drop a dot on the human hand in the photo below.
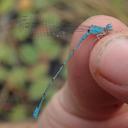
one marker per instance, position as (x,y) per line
(96,92)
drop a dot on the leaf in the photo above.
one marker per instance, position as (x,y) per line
(44,3)
(25,20)
(18,113)
(3,74)
(38,88)
(39,71)
(23,25)
(28,54)
(17,77)
(47,45)
(51,19)
(39,4)
(7,54)
(6,5)
(20,32)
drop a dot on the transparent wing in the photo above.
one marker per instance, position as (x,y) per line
(82,28)
(68,28)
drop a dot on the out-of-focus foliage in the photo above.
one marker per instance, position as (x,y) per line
(47,45)
(7,55)
(32,48)
(39,86)
(18,113)
(6,5)
(3,74)
(51,19)
(28,54)
(17,77)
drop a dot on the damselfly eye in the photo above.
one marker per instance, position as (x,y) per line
(88,30)
(109,27)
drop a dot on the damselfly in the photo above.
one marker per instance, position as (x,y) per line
(99,32)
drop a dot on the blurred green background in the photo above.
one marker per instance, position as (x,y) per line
(34,38)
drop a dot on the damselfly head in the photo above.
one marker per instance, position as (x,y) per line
(109,27)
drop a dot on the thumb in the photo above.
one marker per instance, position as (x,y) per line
(90,91)
(108,65)
(93,100)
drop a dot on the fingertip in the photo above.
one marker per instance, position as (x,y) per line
(80,60)
(108,65)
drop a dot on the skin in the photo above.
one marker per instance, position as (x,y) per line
(96,91)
